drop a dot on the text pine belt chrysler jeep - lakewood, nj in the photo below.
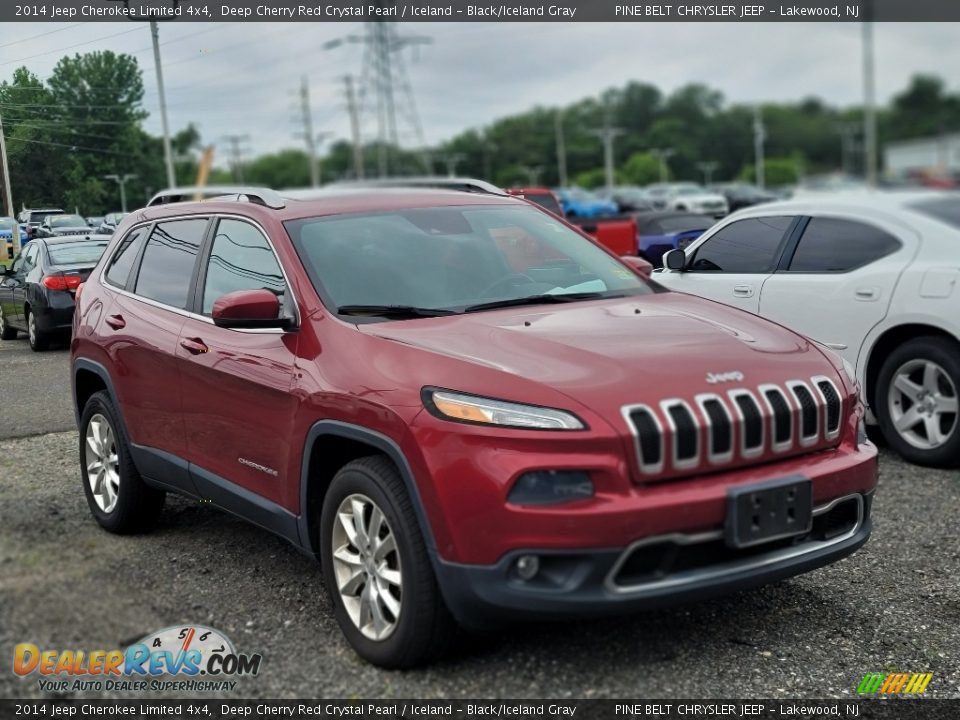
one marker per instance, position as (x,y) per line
(467,409)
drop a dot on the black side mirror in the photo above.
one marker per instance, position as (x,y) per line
(674,260)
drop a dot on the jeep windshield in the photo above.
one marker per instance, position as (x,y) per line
(438,261)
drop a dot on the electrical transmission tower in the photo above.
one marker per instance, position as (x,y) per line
(385,81)
(237,145)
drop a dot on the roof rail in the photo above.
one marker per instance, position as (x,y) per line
(259,195)
(461,184)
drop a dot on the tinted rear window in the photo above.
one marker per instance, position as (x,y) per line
(945,210)
(167,266)
(78,253)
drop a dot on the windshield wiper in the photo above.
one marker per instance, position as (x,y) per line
(539,300)
(393,311)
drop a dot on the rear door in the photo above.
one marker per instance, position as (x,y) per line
(142,328)
(18,288)
(7,284)
(732,265)
(235,384)
(836,283)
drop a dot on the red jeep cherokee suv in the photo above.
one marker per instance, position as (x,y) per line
(463,406)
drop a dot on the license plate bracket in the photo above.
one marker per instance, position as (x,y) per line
(768,511)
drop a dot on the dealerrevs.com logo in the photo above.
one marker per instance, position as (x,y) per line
(895,683)
(190,658)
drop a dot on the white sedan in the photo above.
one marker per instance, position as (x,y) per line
(688,197)
(873,276)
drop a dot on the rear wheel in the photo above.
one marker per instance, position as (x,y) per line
(6,332)
(377,571)
(39,340)
(118,498)
(917,397)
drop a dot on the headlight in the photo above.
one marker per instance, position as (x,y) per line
(484,411)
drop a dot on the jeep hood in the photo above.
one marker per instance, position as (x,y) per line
(607,353)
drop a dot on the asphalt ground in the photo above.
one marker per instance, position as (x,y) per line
(64,583)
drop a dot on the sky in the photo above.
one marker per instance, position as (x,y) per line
(242,78)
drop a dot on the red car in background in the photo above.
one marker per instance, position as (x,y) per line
(464,408)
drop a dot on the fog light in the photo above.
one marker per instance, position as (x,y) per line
(528,566)
(551,487)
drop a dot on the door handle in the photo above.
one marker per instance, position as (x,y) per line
(743,291)
(867,293)
(194,346)
(116,322)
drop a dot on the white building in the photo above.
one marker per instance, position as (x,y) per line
(940,155)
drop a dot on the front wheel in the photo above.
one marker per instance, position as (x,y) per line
(917,396)
(119,499)
(377,571)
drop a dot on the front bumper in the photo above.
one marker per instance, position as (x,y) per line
(595,582)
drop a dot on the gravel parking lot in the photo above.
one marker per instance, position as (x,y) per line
(64,583)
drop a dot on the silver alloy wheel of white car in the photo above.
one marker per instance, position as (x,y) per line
(32,329)
(923,404)
(102,462)
(366,565)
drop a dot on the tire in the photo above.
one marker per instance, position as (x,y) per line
(916,401)
(39,340)
(422,629)
(129,505)
(6,332)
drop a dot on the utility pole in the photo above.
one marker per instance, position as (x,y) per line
(7,195)
(237,151)
(869,99)
(312,139)
(607,135)
(848,138)
(358,164)
(561,148)
(167,147)
(759,137)
(708,168)
(384,76)
(122,181)
(662,155)
(533,174)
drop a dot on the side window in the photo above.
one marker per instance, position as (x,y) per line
(834,245)
(168,260)
(240,259)
(30,257)
(747,246)
(18,263)
(119,268)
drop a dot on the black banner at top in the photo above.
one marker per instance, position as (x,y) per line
(479,10)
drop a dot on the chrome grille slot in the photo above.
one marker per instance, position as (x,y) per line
(648,434)
(686,433)
(751,443)
(720,428)
(831,400)
(809,411)
(781,417)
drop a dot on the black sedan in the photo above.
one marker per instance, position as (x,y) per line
(37,292)
(57,225)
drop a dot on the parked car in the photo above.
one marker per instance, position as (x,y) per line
(95,221)
(59,225)
(876,277)
(110,222)
(37,293)
(580,203)
(8,226)
(741,195)
(31,218)
(456,439)
(688,197)
(616,232)
(664,230)
(631,199)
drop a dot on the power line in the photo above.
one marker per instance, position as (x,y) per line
(66,145)
(40,35)
(69,47)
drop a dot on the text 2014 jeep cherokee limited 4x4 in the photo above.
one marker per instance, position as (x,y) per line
(467,409)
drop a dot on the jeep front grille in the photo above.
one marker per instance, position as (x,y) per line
(715,430)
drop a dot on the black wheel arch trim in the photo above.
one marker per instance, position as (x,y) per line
(102,372)
(381,442)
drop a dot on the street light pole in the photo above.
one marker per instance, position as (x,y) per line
(7,195)
(167,148)
(759,137)
(869,99)
(707,169)
(663,154)
(122,182)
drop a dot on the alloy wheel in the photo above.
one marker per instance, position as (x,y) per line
(101,460)
(366,565)
(923,404)
(32,329)
(3,322)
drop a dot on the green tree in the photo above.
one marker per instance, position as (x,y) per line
(641,168)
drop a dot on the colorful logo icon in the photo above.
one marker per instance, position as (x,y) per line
(896,683)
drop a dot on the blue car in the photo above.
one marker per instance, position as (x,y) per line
(579,203)
(661,231)
(7,226)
